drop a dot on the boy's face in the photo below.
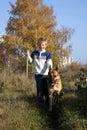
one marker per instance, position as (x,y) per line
(42,46)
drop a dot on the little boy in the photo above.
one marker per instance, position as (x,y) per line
(42,61)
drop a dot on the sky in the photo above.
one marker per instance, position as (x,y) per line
(69,13)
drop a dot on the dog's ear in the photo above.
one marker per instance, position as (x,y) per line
(50,68)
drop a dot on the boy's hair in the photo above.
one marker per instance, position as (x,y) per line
(41,39)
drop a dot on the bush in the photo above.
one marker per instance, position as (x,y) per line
(81,83)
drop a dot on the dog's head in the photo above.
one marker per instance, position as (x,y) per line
(53,76)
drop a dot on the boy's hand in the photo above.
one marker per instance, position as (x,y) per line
(28,53)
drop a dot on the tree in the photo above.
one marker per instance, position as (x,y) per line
(58,44)
(31,19)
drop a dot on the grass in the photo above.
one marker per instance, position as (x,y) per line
(19,109)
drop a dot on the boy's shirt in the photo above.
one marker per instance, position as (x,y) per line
(42,61)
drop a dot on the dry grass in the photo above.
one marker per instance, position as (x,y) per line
(19,109)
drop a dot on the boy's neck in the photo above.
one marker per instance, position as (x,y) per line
(42,50)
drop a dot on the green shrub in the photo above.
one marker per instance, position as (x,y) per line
(81,84)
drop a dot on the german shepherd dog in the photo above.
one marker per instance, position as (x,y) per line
(54,86)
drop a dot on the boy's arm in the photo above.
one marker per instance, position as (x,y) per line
(29,57)
(49,61)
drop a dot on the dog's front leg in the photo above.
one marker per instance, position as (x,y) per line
(50,102)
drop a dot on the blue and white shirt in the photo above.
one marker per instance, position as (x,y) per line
(42,61)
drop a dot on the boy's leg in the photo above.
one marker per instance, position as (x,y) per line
(45,89)
(38,79)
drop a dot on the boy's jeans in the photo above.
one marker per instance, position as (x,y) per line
(42,88)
